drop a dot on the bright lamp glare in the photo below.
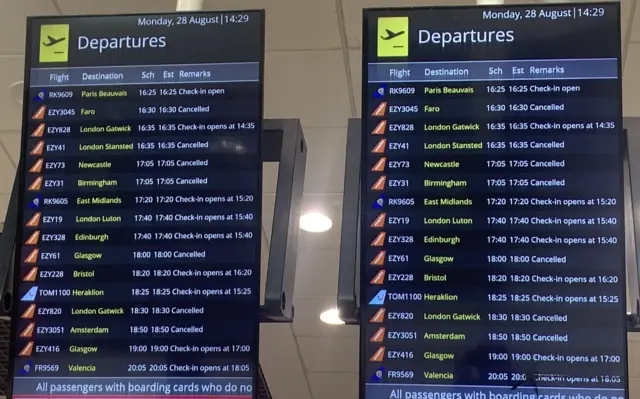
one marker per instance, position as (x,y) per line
(315,222)
(331,316)
(489,2)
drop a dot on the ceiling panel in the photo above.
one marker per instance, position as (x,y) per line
(633,342)
(317,32)
(269,177)
(4,203)
(630,7)
(309,85)
(80,7)
(7,174)
(631,82)
(11,71)
(268,206)
(634,387)
(264,265)
(329,354)
(317,272)
(10,140)
(325,159)
(13,22)
(282,363)
(334,385)
(355,63)
(634,362)
(307,322)
(626,17)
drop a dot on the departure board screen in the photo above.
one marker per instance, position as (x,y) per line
(138,248)
(492,212)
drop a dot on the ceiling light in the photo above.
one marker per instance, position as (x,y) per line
(489,2)
(315,222)
(331,316)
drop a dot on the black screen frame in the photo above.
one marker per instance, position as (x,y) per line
(370,13)
(17,262)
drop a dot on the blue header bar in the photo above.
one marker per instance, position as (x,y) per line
(497,70)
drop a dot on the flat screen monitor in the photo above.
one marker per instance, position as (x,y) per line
(492,203)
(138,247)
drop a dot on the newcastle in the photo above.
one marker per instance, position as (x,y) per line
(94,165)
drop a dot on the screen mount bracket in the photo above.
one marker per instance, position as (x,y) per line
(283,142)
(349,262)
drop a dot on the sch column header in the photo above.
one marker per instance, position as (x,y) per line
(602,68)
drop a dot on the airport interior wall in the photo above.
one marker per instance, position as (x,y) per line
(634,365)
(633,141)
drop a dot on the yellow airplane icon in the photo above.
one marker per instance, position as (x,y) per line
(54,43)
(393,37)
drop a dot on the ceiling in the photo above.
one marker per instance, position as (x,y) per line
(305,38)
